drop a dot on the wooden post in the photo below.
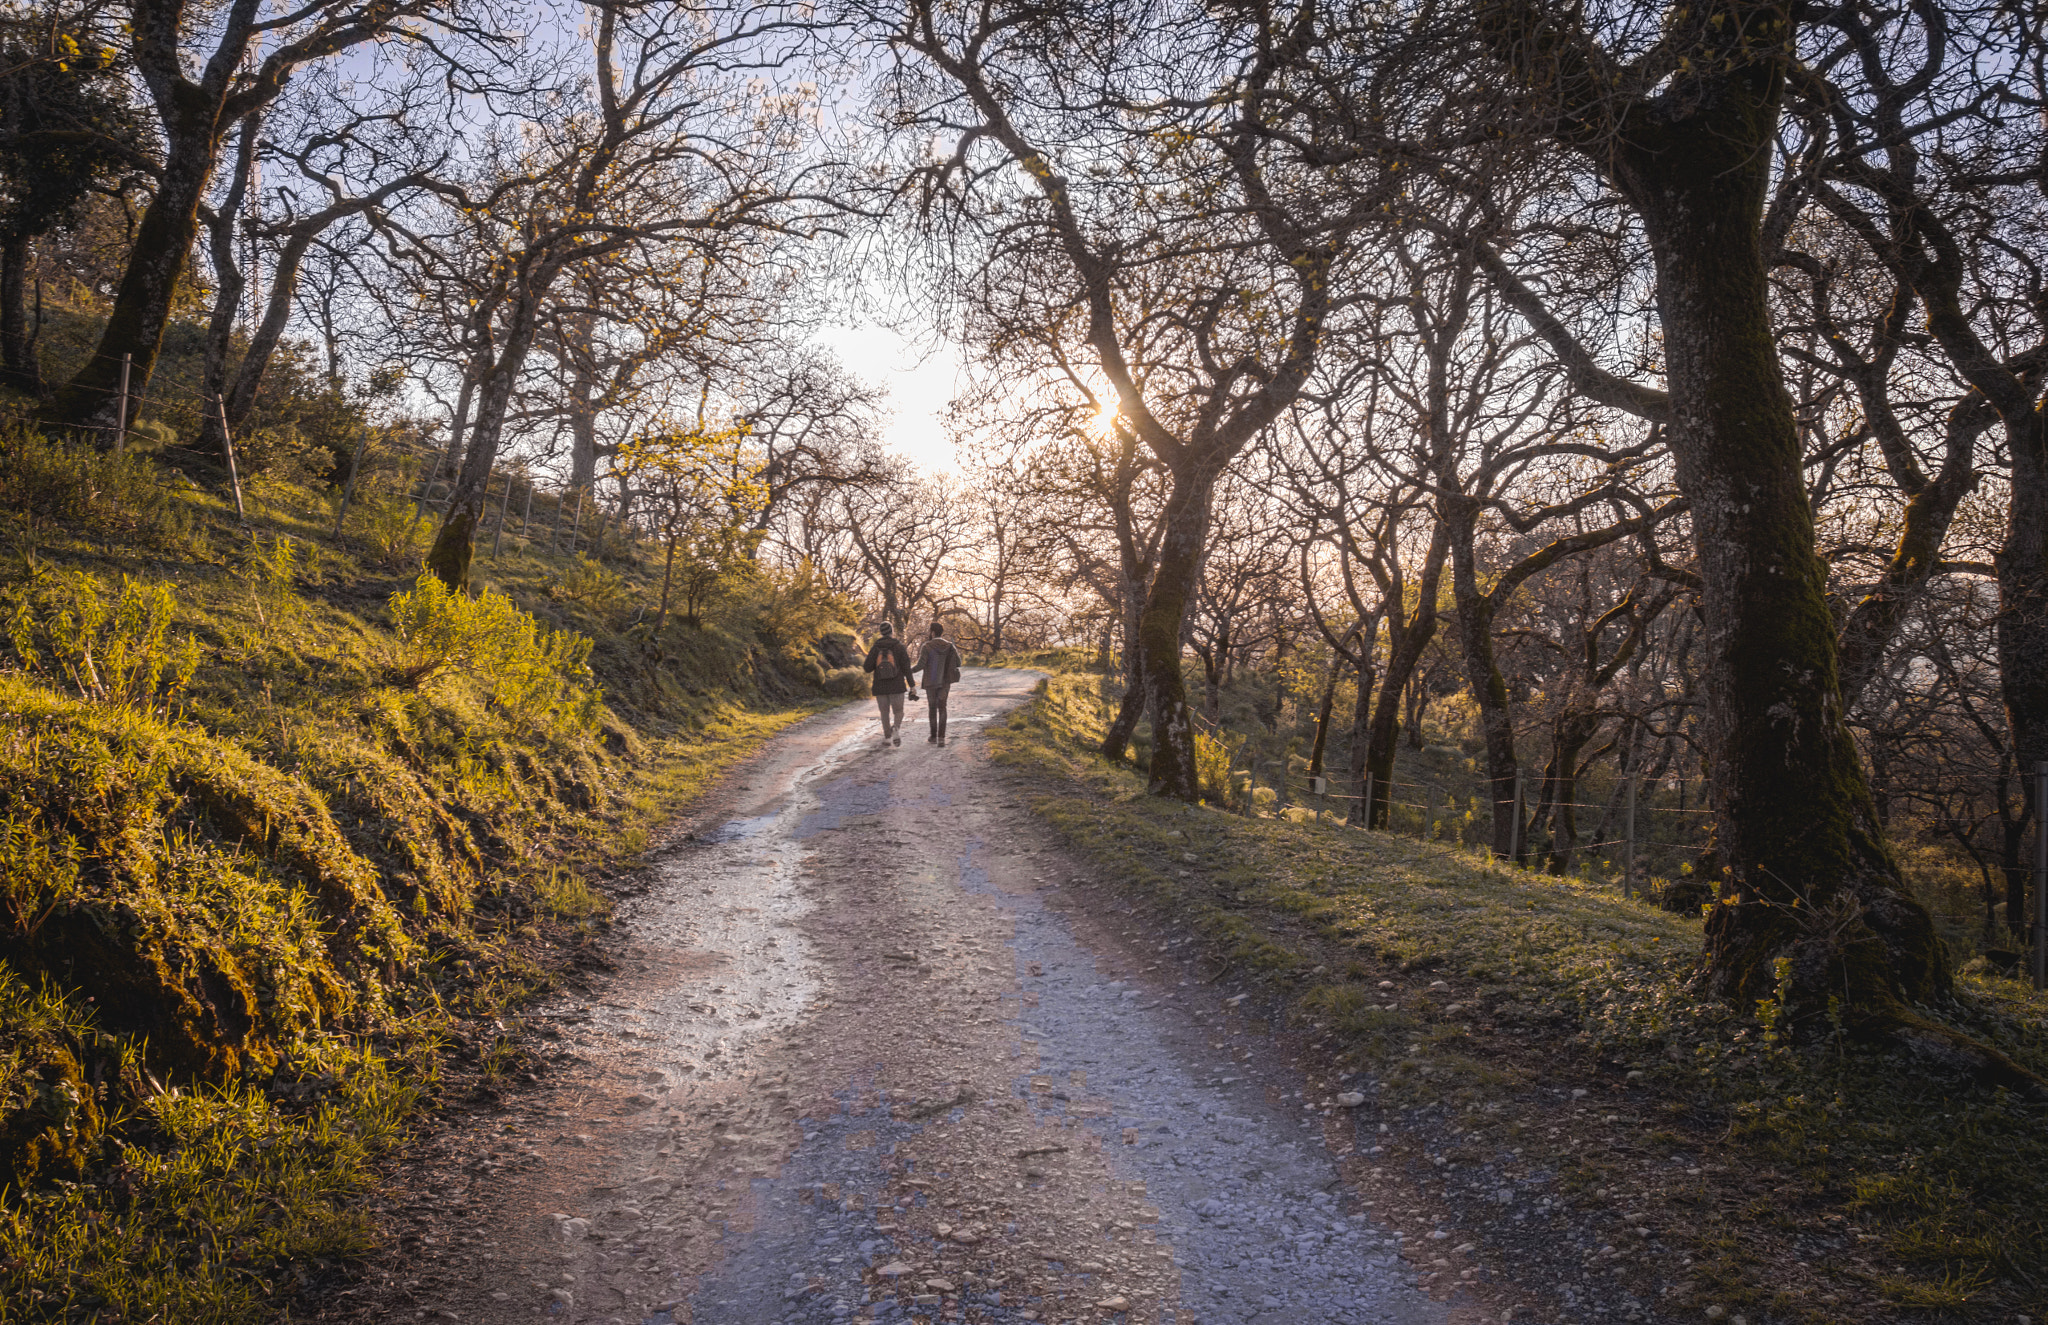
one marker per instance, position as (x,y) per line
(1515,843)
(2041,875)
(1368,797)
(1628,860)
(355,470)
(121,423)
(227,449)
(526,520)
(555,529)
(504,504)
(576,525)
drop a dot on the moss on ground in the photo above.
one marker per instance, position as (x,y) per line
(256,878)
(1879,1184)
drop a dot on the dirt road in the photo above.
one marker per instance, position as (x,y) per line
(864,1058)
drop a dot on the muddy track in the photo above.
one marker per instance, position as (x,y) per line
(866,1054)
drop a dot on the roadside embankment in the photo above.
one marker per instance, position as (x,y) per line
(1502,1026)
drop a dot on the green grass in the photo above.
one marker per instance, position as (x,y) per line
(260,869)
(1934,1190)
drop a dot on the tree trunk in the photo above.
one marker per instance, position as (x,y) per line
(1324,707)
(2023,599)
(1812,882)
(1924,526)
(1184,538)
(1488,687)
(1385,734)
(1573,732)
(1361,728)
(1117,741)
(449,557)
(18,366)
(142,302)
(229,283)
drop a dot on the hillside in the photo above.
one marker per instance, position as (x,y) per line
(284,834)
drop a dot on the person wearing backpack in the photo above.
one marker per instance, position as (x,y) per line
(890,662)
(940,663)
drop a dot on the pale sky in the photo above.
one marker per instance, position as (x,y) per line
(920,380)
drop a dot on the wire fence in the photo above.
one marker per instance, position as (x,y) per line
(588,517)
(1434,814)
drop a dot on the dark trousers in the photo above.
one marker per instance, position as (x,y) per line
(935,705)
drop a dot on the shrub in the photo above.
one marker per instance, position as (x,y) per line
(390,528)
(796,607)
(272,575)
(590,583)
(61,627)
(848,682)
(539,676)
(1212,767)
(76,484)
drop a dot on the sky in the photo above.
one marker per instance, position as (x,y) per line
(920,379)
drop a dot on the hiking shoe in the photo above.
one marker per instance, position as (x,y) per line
(899,740)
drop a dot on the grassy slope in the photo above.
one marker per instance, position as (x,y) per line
(241,929)
(1899,1191)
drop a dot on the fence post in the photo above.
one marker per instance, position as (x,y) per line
(121,423)
(227,448)
(2041,874)
(526,520)
(1367,806)
(1628,860)
(355,469)
(504,504)
(1515,843)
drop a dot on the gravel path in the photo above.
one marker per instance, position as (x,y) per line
(865,1060)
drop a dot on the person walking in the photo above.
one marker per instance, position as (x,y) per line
(890,662)
(940,663)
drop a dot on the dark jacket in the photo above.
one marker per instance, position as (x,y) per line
(899,683)
(940,663)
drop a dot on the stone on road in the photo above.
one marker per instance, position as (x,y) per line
(865,1061)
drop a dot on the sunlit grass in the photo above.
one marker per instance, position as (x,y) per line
(1948,1181)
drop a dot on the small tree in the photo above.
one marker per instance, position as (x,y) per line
(703,498)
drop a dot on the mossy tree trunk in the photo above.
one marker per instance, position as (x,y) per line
(1812,885)
(18,366)
(91,400)
(1184,540)
(449,557)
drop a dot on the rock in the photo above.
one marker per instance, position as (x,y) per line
(1235,999)
(1454,1009)
(562,1297)
(1439,1236)
(1351,1099)
(1386,984)
(965,1238)
(893,1270)
(939,1286)
(1717,1312)
(925,1300)
(573,1230)
(1464,1249)
(1117,1303)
